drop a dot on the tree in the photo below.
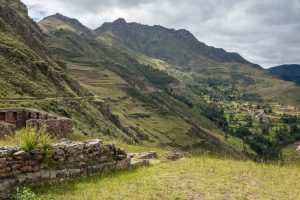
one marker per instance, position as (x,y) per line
(265,128)
(231,116)
(283,136)
(294,129)
(242,132)
(264,147)
(216,114)
(249,120)
(289,119)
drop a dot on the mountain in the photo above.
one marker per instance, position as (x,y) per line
(136,83)
(26,68)
(165,85)
(287,72)
(138,92)
(58,21)
(174,46)
(194,63)
(32,76)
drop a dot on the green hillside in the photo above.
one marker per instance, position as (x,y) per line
(31,76)
(137,92)
(149,85)
(146,88)
(143,84)
(194,60)
(26,68)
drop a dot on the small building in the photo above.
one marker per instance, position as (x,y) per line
(17,118)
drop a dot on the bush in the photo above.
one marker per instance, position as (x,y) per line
(30,139)
(242,132)
(24,194)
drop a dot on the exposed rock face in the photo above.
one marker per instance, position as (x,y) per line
(58,127)
(65,159)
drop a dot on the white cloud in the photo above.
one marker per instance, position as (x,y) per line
(263,31)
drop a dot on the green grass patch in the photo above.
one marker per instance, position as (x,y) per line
(198,178)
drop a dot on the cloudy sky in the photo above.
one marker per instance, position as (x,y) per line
(266,32)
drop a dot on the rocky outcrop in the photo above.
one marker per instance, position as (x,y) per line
(63,160)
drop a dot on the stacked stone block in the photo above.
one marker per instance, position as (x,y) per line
(66,159)
(56,126)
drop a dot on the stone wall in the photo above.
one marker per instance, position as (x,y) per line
(6,129)
(58,127)
(64,160)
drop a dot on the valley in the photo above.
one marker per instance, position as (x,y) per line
(150,88)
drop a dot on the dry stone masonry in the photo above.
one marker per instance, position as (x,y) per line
(16,118)
(64,160)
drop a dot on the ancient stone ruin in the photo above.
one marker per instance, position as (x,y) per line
(16,118)
(64,160)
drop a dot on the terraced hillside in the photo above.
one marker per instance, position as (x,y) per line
(32,77)
(35,77)
(136,91)
(150,84)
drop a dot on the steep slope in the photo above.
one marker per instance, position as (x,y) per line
(137,92)
(25,67)
(195,64)
(287,72)
(30,76)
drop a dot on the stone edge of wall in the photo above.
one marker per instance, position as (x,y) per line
(52,176)
(119,161)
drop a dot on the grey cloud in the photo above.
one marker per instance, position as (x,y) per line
(263,31)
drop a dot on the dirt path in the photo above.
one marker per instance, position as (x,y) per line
(7,100)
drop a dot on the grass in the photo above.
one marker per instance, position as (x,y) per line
(193,178)
(238,144)
(28,140)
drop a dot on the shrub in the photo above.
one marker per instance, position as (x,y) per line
(24,194)
(30,139)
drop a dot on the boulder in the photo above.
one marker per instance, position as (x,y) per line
(175,155)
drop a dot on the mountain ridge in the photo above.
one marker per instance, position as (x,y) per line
(148,35)
(289,72)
